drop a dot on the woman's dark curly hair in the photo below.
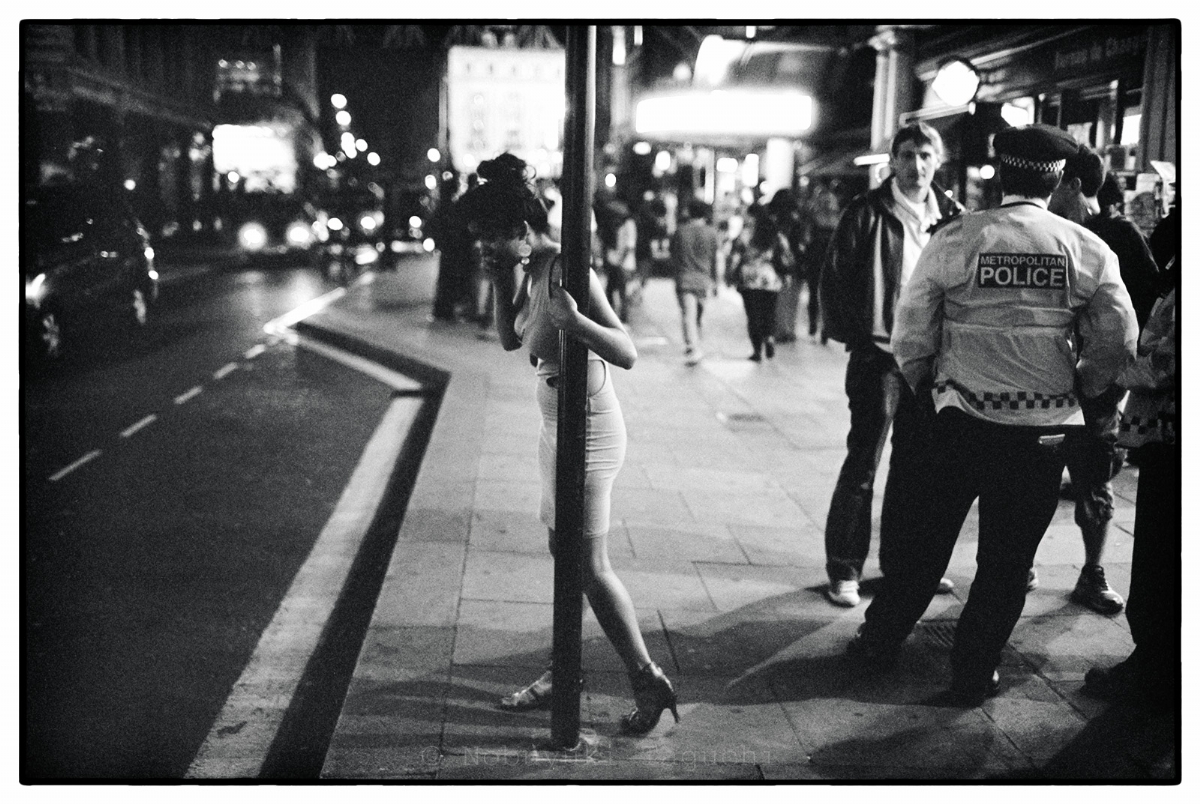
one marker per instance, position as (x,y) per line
(504,200)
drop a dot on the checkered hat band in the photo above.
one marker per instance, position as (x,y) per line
(1009,400)
(1029,164)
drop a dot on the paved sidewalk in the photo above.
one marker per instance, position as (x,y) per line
(717,532)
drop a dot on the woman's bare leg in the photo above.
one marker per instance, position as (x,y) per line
(612,605)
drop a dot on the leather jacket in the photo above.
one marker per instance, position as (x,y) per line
(868,233)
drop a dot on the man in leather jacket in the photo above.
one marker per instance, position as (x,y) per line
(872,253)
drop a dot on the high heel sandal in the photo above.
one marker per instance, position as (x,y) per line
(652,693)
(535,696)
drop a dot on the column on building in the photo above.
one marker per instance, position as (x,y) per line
(893,84)
(1157,140)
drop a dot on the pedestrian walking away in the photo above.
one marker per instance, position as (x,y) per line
(873,252)
(1012,315)
(695,250)
(532,310)
(758,259)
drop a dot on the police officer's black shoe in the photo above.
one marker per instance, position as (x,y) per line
(974,692)
(867,655)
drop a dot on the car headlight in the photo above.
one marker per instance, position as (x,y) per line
(367,223)
(35,290)
(252,236)
(299,233)
(335,224)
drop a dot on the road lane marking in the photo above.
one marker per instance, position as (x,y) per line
(280,325)
(240,738)
(385,375)
(255,351)
(184,397)
(66,470)
(138,425)
(224,371)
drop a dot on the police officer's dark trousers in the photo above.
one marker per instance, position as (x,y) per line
(1016,478)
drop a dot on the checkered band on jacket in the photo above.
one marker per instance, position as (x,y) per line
(1009,400)
(1160,427)
(1028,164)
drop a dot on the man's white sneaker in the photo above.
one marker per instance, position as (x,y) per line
(843,593)
(692,356)
(945,586)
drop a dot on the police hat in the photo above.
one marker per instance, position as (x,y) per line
(1037,148)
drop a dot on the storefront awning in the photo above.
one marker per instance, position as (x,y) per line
(837,162)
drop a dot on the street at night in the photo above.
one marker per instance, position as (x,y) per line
(493,402)
(153,568)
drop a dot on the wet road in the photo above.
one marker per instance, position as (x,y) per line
(171,491)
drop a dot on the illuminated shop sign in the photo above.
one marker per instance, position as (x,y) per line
(726,113)
(506,100)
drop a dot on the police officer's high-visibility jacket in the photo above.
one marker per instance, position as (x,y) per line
(1013,312)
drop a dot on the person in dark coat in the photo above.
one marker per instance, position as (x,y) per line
(874,250)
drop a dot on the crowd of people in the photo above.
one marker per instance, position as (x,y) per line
(998,348)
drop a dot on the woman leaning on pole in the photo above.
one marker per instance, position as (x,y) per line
(509,222)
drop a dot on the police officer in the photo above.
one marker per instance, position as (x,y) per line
(1011,316)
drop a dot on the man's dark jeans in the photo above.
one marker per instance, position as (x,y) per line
(1016,479)
(880,400)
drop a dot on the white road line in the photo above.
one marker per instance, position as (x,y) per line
(138,425)
(243,732)
(225,371)
(285,321)
(184,397)
(393,378)
(66,470)
(255,351)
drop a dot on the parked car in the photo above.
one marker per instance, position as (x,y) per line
(87,263)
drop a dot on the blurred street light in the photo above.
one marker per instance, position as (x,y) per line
(343,118)
(338,100)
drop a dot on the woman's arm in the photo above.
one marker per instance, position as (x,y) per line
(504,283)
(601,332)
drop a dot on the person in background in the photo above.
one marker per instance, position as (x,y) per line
(873,252)
(1092,456)
(1139,270)
(695,250)
(787,217)
(453,242)
(512,228)
(823,213)
(1164,243)
(1151,675)
(757,259)
(618,241)
(1011,317)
